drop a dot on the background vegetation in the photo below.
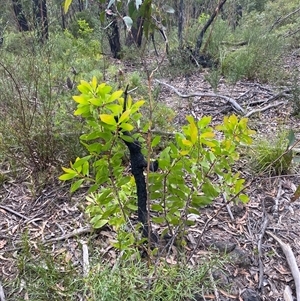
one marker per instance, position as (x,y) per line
(41,66)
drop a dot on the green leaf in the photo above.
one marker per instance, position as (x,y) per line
(115,109)
(84,87)
(244,198)
(82,99)
(155,141)
(210,190)
(93,188)
(76,185)
(108,119)
(127,138)
(99,223)
(128,22)
(96,101)
(126,127)
(115,95)
(67,5)
(81,110)
(204,122)
(124,116)
(201,200)
(80,161)
(291,138)
(69,170)
(67,176)
(158,220)
(137,105)
(157,207)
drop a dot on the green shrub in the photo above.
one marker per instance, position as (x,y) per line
(83,25)
(195,168)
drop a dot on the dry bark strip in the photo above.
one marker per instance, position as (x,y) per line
(291,260)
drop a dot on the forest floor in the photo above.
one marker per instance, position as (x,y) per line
(257,269)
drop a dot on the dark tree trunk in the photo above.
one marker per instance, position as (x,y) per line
(20,17)
(41,19)
(135,35)
(114,37)
(180,22)
(138,165)
(80,5)
(208,23)
(63,18)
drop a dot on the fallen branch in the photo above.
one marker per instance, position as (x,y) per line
(233,103)
(291,260)
(265,108)
(80,231)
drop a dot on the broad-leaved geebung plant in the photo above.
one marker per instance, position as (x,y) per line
(193,170)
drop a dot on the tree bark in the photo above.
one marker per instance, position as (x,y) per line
(114,37)
(208,23)
(20,17)
(180,22)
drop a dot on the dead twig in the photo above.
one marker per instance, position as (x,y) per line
(278,196)
(213,282)
(2,295)
(259,247)
(265,108)
(77,232)
(85,259)
(233,103)
(291,260)
(27,219)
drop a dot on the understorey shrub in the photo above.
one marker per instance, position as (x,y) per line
(194,169)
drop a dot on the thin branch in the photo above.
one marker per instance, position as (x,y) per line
(27,219)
